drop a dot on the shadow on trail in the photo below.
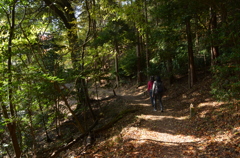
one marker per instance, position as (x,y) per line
(152,148)
(173,120)
(177,135)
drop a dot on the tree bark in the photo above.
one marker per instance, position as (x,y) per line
(66,13)
(191,66)
(214,46)
(138,51)
(147,36)
(116,63)
(84,84)
(11,125)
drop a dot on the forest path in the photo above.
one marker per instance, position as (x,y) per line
(156,133)
(213,132)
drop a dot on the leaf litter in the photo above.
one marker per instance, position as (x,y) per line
(213,132)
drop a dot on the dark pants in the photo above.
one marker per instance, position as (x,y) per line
(151,97)
(157,100)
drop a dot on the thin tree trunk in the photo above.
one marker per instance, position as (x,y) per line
(84,84)
(11,125)
(192,73)
(68,18)
(79,125)
(116,63)
(138,51)
(44,122)
(30,115)
(147,36)
(214,46)
(57,118)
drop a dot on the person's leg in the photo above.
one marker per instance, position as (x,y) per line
(155,103)
(151,98)
(160,102)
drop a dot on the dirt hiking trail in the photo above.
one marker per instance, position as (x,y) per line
(213,132)
(156,133)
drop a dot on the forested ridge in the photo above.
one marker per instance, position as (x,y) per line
(74,74)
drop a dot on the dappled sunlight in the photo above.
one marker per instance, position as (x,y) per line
(154,117)
(222,136)
(172,133)
(182,118)
(215,103)
(150,117)
(142,104)
(142,134)
(211,104)
(101,93)
(159,117)
(164,128)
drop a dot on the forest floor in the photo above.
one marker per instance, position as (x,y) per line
(214,130)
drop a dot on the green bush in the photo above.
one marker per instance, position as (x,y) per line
(128,64)
(226,83)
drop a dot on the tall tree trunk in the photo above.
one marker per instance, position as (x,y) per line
(12,124)
(214,46)
(84,84)
(66,13)
(30,116)
(57,121)
(138,51)
(191,66)
(116,63)
(147,36)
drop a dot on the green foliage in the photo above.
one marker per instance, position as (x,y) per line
(226,83)
(179,63)
(2,126)
(128,64)
(157,69)
(112,32)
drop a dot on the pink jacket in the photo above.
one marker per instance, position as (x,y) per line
(150,85)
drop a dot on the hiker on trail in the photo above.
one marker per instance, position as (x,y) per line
(149,89)
(157,94)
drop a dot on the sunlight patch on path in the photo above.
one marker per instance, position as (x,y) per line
(141,134)
(211,104)
(141,104)
(160,131)
(156,117)
(157,127)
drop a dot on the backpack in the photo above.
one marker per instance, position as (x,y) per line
(158,88)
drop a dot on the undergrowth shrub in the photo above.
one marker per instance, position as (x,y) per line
(226,79)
